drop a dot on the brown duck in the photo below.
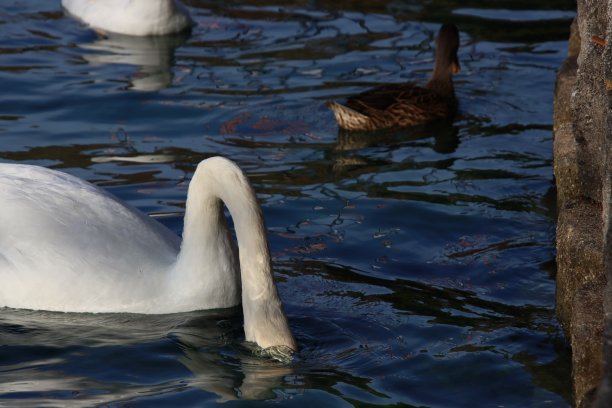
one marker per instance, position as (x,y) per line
(403,105)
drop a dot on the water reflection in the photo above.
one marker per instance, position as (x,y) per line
(153,57)
(247,377)
(476,325)
(138,158)
(206,343)
(445,138)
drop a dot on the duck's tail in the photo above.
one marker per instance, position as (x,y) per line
(348,118)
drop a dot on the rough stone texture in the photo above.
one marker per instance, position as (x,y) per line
(583,167)
(586,341)
(590,102)
(604,395)
(566,171)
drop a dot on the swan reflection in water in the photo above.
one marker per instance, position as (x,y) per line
(207,343)
(153,57)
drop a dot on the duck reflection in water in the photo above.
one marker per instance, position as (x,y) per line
(153,57)
(352,147)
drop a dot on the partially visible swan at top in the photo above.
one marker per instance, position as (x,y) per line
(131,17)
(67,245)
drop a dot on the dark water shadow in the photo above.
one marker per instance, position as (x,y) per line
(444,306)
(445,138)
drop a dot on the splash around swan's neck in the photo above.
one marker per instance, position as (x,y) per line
(207,247)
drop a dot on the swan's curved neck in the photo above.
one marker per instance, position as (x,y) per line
(218,180)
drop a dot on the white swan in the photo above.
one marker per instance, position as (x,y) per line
(67,245)
(131,17)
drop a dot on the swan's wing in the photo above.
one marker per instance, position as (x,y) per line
(60,234)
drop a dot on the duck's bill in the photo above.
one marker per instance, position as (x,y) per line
(456,66)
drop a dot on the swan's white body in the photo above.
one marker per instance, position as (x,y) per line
(67,245)
(131,17)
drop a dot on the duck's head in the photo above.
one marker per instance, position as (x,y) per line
(447,45)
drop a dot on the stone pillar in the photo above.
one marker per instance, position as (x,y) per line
(604,396)
(582,132)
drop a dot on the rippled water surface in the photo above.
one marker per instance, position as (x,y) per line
(416,266)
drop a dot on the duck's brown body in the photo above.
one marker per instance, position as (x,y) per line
(394,106)
(405,105)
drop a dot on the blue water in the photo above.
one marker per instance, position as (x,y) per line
(416,266)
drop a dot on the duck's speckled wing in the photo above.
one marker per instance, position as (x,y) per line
(401,105)
(385,97)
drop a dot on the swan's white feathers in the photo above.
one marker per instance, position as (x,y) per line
(65,230)
(67,245)
(131,17)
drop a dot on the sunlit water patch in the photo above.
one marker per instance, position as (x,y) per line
(416,266)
